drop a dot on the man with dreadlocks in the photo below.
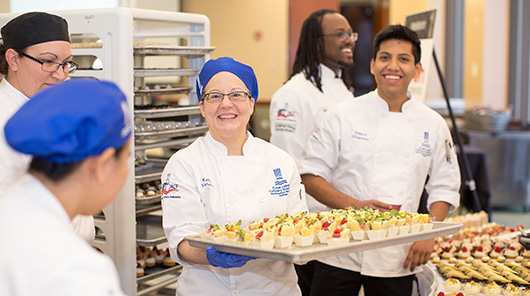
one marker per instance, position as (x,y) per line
(317,83)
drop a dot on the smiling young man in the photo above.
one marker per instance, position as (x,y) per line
(317,83)
(382,145)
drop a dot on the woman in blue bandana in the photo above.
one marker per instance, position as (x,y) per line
(78,134)
(226,176)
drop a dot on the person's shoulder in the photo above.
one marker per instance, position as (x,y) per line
(423,110)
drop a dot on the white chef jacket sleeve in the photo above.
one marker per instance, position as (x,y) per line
(287,122)
(84,227)
(83,276)
(182,208)
(321,151)
(13,164)
(444,173)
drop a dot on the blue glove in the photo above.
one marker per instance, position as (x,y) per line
(226,260)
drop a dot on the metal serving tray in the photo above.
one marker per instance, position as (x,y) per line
(172,50)
(162,91)
(141,72)
(149,231)
(316,251)
(167,112)
(147,200)
(201,129)
(151,171)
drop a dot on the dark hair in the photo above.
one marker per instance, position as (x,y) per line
(310,50)
(58,171)
(398,32)
(3,62)
(4,66)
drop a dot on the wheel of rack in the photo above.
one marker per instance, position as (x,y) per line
(135,48)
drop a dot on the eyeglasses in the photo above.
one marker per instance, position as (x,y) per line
(343,36)
(235,96)
(49,66)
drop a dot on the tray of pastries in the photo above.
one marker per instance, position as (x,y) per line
(482,260)
(308,236)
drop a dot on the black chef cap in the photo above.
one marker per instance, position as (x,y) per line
(33,28)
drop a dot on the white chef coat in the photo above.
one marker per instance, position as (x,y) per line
(367,152)
(42,255)
(203,186)
(14,164)
(297,107)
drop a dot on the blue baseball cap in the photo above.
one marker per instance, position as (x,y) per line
(71,121)
(227,64)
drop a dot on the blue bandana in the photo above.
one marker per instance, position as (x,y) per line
(71,121)
(226,64)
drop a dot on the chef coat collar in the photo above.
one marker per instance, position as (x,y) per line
(383,105)
(219,149)
(48,199)
(326,72)
(18,97)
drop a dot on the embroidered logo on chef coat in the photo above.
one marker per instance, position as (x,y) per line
(285,120)
(170,190)
(281,187)
(425,148)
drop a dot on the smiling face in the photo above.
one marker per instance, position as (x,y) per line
(227,120)
(393,69)
(337,53)
(27,76)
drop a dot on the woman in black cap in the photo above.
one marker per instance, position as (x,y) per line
(35,53)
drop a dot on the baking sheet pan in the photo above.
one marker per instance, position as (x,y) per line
(167,112)
(154,72)
(201,129)
(172,50)
(317,251)
(162,91)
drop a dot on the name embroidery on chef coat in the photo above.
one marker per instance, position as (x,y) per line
(281,187)
(170,190)
(206,182)
(425,148)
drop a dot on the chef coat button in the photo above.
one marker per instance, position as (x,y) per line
(269,287)
(231,200)
(262,199)
(254,161)
(222,160)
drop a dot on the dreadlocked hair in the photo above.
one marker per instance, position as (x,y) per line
(309,52)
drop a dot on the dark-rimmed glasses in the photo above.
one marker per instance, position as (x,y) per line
(49,66)
(343,36)
(217,97)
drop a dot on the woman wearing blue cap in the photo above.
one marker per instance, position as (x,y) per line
(78,133)
(223,177)
(35,53)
